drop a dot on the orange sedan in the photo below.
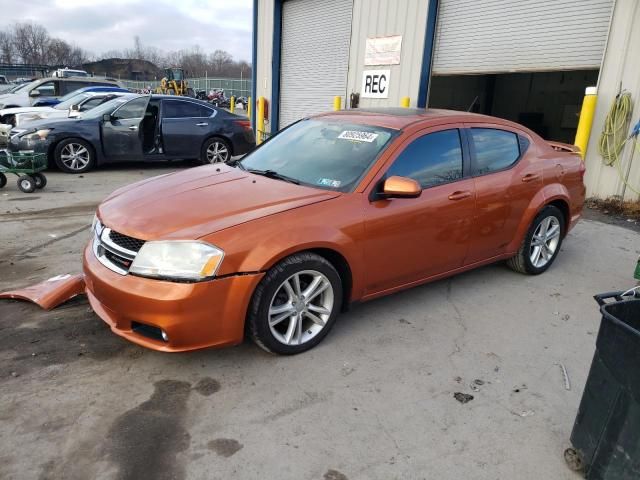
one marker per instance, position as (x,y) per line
(336,209)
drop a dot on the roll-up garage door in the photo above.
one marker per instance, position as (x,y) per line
(314,56)
(497,36)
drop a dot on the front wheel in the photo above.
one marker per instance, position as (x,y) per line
(215,150)
(295,305)
(26,183)
(541,244)
(74,155)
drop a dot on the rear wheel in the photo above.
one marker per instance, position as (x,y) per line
(26,183)
(295,305)
(215,150)
(74,155)
(41,180)
(3,180)
(541,244)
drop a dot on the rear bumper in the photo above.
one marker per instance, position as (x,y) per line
(194,315)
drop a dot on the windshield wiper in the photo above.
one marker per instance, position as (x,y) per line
(273,174)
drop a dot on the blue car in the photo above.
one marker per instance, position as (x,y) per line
(51,101)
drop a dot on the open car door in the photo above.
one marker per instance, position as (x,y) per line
(121,133)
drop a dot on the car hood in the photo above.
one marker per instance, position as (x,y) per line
(13,98)
(201,201)
(16,110)
(53,123)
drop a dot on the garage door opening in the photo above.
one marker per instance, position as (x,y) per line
(546,102)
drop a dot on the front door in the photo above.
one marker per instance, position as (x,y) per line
(411,239)
(121,135)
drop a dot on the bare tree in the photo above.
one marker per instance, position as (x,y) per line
(7,51)
(31,42)
(220,59)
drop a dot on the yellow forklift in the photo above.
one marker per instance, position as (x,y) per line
(174,83)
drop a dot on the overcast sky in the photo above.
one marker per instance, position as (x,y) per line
(102,25)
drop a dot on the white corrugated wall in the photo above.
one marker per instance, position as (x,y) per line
(498,36)
(620,71)
(382,18)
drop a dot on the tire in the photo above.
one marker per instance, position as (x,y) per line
(74,155)
(26,183)
(554,232)
(41,180)
(215,150)
(298,332)
(3,180)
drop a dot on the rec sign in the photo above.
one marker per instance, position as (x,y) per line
(375,83)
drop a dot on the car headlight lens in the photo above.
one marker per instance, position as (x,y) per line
(180,260)
(37,135)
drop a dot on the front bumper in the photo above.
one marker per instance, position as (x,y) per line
(194,315)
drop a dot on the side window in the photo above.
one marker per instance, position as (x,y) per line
(431,160)
(94,102)
(179,109)
(495,149)
(133,109)
(48,89)
(68,87)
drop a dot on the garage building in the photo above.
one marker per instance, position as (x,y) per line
(525,61)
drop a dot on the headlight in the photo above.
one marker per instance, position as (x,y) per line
(180,260)
(37,135)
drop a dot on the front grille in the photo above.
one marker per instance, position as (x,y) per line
(126,242)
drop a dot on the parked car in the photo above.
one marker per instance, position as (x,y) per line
(74,105)
(51,101)
(4,84)
(142,128)
(26,95)
(67,72)
(333,210)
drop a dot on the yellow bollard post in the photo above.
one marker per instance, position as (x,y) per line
(404,102)
(232,104)
(249,109)
(337,103)
(586,119)
(260,120)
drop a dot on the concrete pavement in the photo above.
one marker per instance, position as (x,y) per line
(373,401)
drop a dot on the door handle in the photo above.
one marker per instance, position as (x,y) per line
(530,177)
(203,124)
(460,195)
(133,128)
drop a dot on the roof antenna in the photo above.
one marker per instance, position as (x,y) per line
(472,103)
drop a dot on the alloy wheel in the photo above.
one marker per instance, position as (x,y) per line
(217,152)
(545,241)
(301,307)
(75,156)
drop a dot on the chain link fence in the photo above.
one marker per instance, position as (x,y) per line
(232,86)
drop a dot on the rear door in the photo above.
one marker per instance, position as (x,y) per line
(185,125)
(121,136)
(506,176)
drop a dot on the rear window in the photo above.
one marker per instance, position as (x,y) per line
(179,109)
(495,149)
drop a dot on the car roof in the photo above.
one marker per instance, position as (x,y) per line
(398,118)
(111,81)
(155,96)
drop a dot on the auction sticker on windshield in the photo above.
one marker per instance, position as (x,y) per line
(358,136)
(329,182)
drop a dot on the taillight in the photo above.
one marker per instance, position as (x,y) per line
(246,124)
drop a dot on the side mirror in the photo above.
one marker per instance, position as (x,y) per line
(34,93)
(400,187)
(75,108)
(106,117)
(74,111)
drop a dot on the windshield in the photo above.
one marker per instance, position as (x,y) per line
(106,107)
(24,86)
(73,100)
(324,154)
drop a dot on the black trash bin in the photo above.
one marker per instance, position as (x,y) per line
(606,433)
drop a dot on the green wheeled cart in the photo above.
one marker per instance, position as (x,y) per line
(27,167)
